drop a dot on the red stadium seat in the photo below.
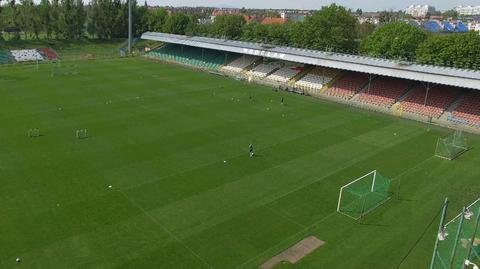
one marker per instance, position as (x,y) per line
(50,54)
(468,110)
(438,99)
(385,91)
(348,86)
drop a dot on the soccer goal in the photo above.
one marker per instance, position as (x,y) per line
(363,195)
(452,146)
(33,132)
(81,133)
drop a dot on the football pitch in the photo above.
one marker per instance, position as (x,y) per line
(164,178)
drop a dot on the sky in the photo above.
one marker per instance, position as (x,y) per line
(366,5)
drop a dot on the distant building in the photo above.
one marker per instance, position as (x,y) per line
(370,17)
(474,26)
(224,11)
(274,21)
(251,18)
(294,15)
(468,10)
(419,11)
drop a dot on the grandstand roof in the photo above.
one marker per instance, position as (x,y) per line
(433,74)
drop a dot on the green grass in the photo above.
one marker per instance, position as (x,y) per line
(71,50)
(160,134)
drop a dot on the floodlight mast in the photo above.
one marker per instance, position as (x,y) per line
(467,263)
(477,223)
(441,226)
(129,26)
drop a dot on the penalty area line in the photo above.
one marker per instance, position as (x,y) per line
(176,238)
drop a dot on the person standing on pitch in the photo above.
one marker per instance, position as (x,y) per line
(251,150)
(281,101)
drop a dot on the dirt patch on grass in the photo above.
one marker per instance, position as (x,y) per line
(295,252)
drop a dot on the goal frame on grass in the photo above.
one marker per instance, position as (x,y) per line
(33,133)
(452,146)
(374,192)
(81,134)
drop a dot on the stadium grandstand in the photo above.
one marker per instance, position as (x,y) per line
(444,96)
(27,55)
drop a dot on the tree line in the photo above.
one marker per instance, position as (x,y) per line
(332,28)
(408,43)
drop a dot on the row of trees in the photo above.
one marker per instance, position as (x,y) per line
(405,42)
(72,19)
(331,28)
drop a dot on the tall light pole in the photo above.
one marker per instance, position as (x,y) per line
(129,26)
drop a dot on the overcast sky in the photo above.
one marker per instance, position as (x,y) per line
(367,5)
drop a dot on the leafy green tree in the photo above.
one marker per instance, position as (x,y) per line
(456,50)
(279,34)
(255,32)
(364,29)
(102,16)
(228,26)
(55,24)
(176,23)
(119,28)
(28,18)
(44,11)
(194,29)
(140,20)
(79,19)
(331,27)
(394,41)
(451,14)
(67,19)
(156,19)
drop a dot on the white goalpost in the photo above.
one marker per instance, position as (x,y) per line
(374,173)
(363,194)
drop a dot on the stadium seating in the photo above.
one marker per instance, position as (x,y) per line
(285,74)
(384,91)
(468,110)
(209,59)
(239,64)
(437,101)
(26,55)
(348,86)
(263,70)
(49,54)
(6,57)
(316,78)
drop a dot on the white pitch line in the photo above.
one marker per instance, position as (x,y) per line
(167,230)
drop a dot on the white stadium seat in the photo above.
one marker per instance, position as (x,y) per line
(27,55)
(262,70)
(240,63)
(285,74)
(316,78)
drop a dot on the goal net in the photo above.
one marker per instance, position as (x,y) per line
(458,241)
(452,146)
(362,195)
(81,134)
(33,132)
